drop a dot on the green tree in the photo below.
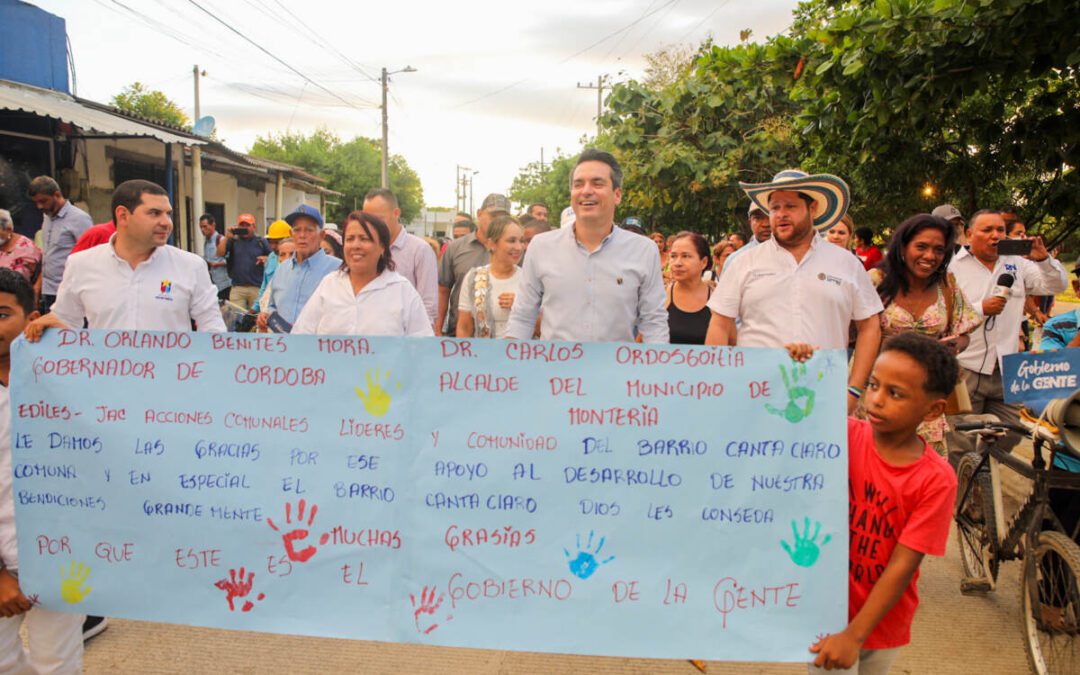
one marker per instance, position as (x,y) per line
(549,185)
(152,104)
(351,168)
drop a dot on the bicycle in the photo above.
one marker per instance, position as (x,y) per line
(1050,574)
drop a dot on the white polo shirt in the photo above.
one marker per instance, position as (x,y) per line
(165,292)
(389,305)
(998,338)
(9,552)
(779,301)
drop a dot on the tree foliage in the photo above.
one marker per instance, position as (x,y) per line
(152,104)
(976,98)
(351,168)
(548,185)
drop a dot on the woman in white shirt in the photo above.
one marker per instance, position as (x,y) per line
(487,292)
(366,296)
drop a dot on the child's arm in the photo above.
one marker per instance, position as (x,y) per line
(12,600)
(841,650)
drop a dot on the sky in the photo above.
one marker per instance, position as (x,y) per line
(495,81)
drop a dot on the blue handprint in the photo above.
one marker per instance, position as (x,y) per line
(584,564)
(806,550)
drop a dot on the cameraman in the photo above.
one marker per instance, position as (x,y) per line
(242,250)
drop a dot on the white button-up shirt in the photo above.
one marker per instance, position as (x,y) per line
(388,305)
(9,551)
(999,337)
(165,292)
(780,301)
(414,260)
(610,295)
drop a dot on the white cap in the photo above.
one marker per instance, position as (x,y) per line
(332,227)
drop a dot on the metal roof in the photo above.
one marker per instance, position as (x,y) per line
(86,115)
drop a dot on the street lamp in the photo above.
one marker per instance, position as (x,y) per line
(385,127)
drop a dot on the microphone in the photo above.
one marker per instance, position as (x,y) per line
(1004,284)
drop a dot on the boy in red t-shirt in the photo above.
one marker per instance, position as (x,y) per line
(901,502)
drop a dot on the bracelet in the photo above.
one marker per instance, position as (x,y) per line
(854,391)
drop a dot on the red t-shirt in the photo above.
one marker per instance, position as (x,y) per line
(95,236)
(870,256)
(911,505)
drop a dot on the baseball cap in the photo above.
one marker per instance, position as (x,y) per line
(246,218)
(948,212)
(755,207)
(305,211)
(495,202)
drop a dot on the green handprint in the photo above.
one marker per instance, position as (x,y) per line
(376,399)
(71,584)
(806,550)
(793,412)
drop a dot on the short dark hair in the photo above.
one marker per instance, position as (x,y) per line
(942,369)
(594,155)
(465,223)
(129,194)
(540,226)
(385,193)
(368,223)
(865,233)
(699,244)
(980,212)
(533,206)
(16,284)
(208,217)
(43,185)
(1010,225)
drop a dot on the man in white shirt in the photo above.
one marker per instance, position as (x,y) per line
(412,256)
(979,273)
(591,281)
(137,281)
(797,290)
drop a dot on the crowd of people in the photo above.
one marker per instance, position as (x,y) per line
(931,313)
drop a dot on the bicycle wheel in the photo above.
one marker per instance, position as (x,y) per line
(976,531)
(1050,598)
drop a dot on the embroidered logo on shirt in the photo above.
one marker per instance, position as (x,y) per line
(830,279)
(166,290)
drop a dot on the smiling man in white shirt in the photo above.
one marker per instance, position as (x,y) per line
(978,274)
(137,281)
(591,281)
(797,290)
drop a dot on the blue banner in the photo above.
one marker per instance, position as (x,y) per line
(619,499)
(1034,378)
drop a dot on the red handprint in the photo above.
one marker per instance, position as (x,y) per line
(238,588)
(429,604)
(297,534)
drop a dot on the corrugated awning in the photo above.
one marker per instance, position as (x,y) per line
(96,118)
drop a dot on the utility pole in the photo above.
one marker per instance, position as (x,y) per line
(600,85)
(472,178)
(385,124)
(385,134)
(542,161)
(196,173)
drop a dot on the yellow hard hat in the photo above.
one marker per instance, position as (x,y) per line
(279,229)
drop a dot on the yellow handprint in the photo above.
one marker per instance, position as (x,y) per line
(71,586)
(376,399)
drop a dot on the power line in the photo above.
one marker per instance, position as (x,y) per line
(270,54)
(328,45)
(568,58)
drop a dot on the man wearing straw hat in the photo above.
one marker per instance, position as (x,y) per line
(797,290)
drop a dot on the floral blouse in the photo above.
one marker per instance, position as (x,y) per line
(934,321)
(24,258)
